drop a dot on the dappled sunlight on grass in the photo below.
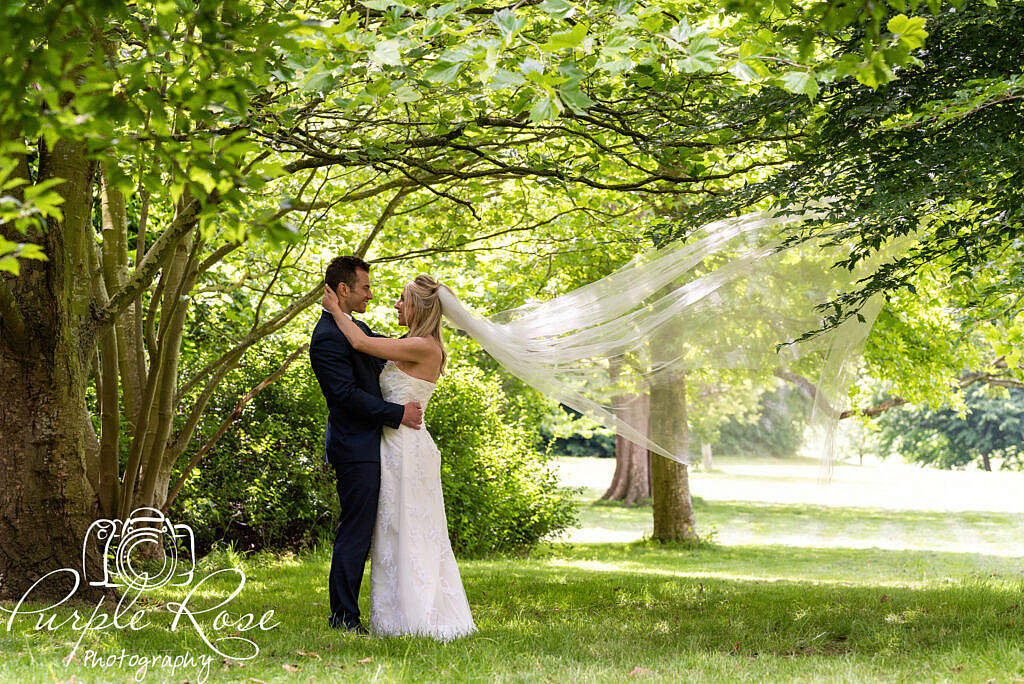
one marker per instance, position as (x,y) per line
(780,591)
(886,485)
(596,612)
(813,523)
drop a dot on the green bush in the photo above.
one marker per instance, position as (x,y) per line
(568,433)
(500,493)
(264,485)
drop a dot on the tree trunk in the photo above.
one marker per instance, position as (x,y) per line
(46,500)
(986,462)
(705,455)
(631,482)
(670,484)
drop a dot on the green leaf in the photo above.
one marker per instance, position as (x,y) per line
(531,65)
(623,7)
(508,23)
(545,109)
(559,9)
(442,11)
(505,79)
(407,93)
(321,81)
(744,71)
(10,264)
(34,191)
(875,72)
(909,30)
(576,99)
(617,66)
(566,40)
(802,82)
(387,52)
(32,251)
(442,72)
(203,177)
(701,55)
(681,32)
(432,29)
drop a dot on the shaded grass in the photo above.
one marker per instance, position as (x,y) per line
(790,592)
(597,612)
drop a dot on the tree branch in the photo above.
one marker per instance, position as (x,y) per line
(388,212)
(962,382)
(155,258)
(232,417)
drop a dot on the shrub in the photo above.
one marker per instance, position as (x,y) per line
(264,484)
(501,495)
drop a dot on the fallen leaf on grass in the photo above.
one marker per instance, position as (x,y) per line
(310,655)
(291,668)
(638,671)
(366,660)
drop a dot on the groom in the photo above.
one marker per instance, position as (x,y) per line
(355,414)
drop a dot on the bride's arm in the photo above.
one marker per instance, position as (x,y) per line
(412,349)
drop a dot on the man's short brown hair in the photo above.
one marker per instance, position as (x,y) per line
(343,270)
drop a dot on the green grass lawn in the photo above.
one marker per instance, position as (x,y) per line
(876,599)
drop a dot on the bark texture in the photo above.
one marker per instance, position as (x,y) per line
(631,482)
(46,500)
(670,484)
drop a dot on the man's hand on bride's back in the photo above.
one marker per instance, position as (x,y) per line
(413,416)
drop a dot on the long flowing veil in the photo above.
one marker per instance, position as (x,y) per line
(702,332)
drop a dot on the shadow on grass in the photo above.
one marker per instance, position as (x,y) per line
(602,608)
(718,600)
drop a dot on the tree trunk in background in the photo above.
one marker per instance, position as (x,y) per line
(670,484)
(46,500)
(705,455)
(631,482)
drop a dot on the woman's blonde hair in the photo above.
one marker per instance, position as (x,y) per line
(425,311)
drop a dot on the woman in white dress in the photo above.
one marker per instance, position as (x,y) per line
(415,586)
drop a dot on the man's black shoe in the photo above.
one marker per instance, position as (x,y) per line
(338,623)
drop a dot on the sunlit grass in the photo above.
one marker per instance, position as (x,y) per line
(788,592)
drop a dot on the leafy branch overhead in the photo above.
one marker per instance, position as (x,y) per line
(608,94)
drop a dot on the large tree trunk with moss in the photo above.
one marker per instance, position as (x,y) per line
(631,482)
(47,501)
(670,484)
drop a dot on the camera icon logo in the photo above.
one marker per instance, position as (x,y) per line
(126,543)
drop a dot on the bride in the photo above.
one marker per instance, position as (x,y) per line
(415,586)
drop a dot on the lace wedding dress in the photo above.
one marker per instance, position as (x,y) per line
(415,586)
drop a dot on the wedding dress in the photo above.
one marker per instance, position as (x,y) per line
(415,586)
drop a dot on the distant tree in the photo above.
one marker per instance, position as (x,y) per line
(991,430)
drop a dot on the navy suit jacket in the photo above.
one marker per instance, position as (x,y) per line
(349,381)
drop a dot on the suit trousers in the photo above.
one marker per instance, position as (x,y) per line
(358,491)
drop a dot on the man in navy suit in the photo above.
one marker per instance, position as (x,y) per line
(355,414)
